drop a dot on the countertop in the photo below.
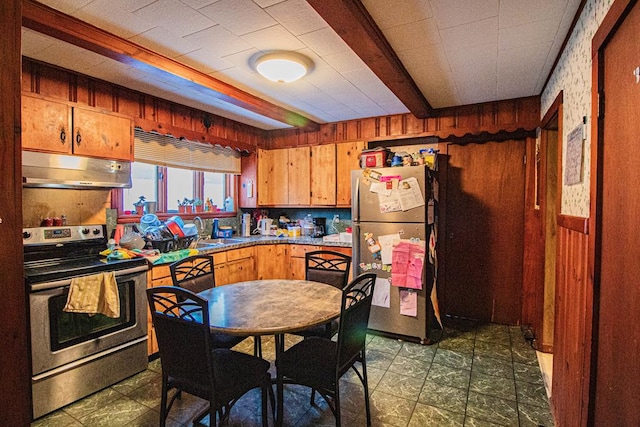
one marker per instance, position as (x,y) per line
(236,242)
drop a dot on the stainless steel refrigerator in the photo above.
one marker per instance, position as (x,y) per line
(387,210)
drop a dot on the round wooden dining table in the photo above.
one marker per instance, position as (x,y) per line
(272,307)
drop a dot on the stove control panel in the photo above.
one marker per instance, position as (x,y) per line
(64,234)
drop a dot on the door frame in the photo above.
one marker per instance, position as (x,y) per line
(615,16)
(553,117)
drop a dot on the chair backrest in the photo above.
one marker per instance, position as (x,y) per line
(354,319)
(328,267)
(181,322)
(194,273)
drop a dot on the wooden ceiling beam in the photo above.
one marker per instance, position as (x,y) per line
(51,22)
(351,20)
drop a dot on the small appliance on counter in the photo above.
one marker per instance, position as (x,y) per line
(246,225)
(320,227)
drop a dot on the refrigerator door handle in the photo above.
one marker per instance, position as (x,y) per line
(355,200)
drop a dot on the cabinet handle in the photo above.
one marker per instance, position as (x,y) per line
(63,136)
(78,138)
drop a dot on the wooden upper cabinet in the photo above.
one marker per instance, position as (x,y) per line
(100,134)
(46,125)
(323,175)
(318,175)
(299,176)
(347,159)
(273,183)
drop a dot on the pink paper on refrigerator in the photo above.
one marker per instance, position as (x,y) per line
(407,264)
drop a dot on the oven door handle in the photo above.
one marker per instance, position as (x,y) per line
(66,282)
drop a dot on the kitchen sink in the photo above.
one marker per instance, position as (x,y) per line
(218,242)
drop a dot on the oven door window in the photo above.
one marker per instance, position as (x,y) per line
(68,329)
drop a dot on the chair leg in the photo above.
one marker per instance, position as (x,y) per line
(336,403)
(264,406)
(365,384)
(257,346)
(163,402)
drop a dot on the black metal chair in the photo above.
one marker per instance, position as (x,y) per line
(192,364)
(196,274)
(319,362)
(328,267)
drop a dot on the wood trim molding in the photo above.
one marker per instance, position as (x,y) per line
(553,110)
(352,22)
(610,21)
(574,223)
(51,22)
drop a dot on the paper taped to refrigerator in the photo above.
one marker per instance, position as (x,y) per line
(382,293)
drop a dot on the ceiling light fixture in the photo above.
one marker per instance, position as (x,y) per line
(283,67)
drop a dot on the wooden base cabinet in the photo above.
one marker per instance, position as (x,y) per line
(156,276)
(235,265)
(297,260)
(270,261)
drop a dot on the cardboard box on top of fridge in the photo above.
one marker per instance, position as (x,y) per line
(374,157)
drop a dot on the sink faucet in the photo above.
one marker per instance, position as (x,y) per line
(199,225)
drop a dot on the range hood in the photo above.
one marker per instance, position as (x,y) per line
(64,171)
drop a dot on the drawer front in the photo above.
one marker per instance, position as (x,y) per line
(219,258)
(241,253)
(299,251)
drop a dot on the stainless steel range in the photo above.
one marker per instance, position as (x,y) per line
(76,354)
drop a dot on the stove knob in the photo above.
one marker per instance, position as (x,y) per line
(85,231)
(26,235)
(96,231)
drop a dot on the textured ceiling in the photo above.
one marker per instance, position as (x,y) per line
(457,51)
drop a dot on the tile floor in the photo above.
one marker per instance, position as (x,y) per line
(477,375)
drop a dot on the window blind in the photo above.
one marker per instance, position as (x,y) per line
(166,150)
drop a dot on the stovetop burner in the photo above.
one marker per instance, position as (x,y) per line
(58,253)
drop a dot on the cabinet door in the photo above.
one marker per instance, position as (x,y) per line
(269,262)
(220,272)
(323,175)
(100,134)
(241,270)
(273,182)
(299,176)
(46,125)
(347,159)
(297,260)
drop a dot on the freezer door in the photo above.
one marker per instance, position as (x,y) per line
(389,319)
(366,204)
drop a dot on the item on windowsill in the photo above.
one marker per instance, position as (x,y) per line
(185,206)
(139,205)
(229,206)
(198,206)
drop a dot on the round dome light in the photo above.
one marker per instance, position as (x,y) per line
(283,67)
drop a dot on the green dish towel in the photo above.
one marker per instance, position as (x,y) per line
(174,256)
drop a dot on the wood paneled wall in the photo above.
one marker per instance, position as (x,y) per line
(491,118)
(15,361)
(572,336)
(148,112)
(151,113)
